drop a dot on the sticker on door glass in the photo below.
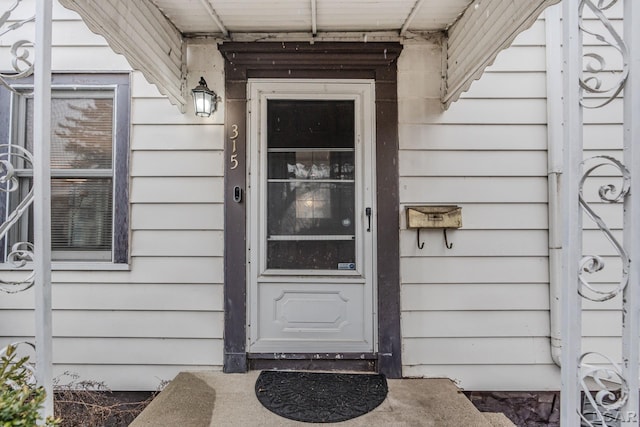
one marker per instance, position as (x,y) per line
(346,266)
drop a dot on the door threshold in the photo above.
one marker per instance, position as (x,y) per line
(358,362)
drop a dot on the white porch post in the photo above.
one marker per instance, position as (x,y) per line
(572,224)
(631,296)
(42,200)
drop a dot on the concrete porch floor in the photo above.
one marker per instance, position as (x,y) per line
(203,399)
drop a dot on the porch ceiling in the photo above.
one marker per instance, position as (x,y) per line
(152,34)
(311,16)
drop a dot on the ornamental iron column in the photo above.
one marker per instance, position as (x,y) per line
(608,387)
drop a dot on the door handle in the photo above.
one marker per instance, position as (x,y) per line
(367,212)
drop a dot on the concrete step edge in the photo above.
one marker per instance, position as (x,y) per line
(498,419)
(205,399)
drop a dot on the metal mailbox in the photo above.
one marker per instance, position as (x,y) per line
(434,216)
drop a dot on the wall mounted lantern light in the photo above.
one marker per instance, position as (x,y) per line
(205,100)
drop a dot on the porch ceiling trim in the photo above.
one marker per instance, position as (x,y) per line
(214,16)
(142,34)
(485,29)
(152,44)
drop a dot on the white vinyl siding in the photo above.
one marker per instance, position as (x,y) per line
(479,312)
(134,328)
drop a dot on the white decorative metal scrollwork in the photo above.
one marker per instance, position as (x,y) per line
(605,389)
(608,193)
(595,70)
(603,383)
(21,252)
(20,62)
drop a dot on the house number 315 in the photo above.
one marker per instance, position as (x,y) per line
(234,149)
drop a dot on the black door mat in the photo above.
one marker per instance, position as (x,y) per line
(317,397)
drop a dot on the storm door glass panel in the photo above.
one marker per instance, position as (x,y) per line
(310,185)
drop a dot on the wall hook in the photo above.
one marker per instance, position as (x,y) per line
(446,241)
(420,244)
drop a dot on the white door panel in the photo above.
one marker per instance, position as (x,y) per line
(311,218)
(318,318)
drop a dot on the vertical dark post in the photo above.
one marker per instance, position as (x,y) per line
(389,335)
(235,280)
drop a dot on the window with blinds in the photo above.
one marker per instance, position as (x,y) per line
(81,173)
(89,170)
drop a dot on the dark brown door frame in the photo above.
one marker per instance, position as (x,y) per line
(323,61)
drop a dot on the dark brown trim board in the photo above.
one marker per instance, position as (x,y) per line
(322,61)
(235,280)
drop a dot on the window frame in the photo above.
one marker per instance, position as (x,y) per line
(119,84)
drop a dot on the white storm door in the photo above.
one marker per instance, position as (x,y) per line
(311,216)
